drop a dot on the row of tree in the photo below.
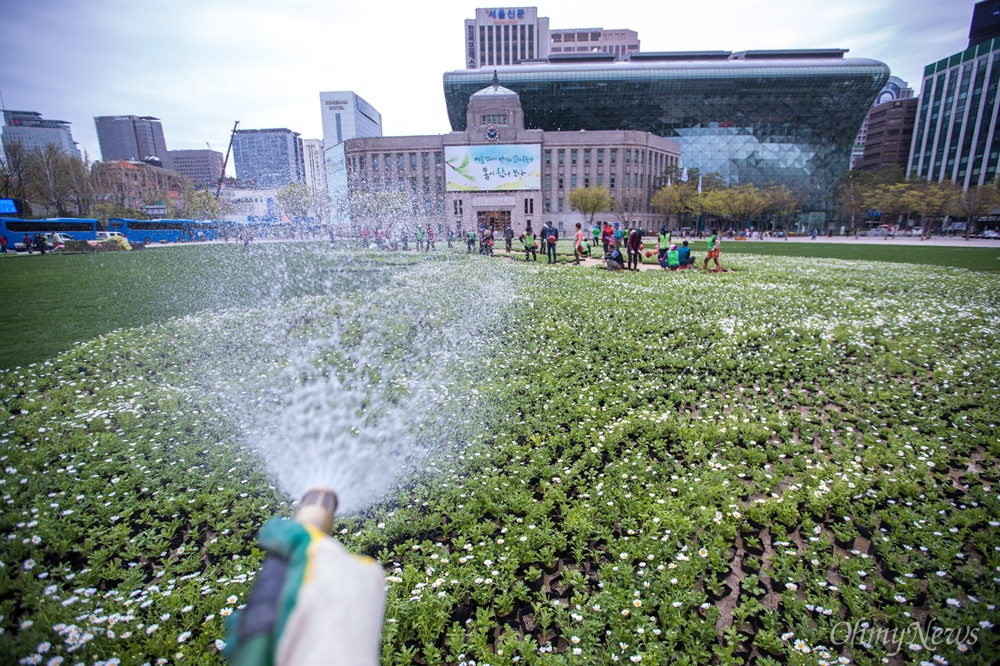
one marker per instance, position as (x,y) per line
(688,194)
(861,193)
(54,183)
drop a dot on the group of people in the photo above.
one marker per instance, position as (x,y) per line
(549,236)
(669,255)
(39,242)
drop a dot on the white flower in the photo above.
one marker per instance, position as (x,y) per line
(184,636)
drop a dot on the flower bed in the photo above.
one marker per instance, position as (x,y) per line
(775,464)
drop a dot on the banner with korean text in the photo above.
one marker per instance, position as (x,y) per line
(491,167)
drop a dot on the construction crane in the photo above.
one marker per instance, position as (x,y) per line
(222,176)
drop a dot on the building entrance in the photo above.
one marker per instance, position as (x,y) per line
(497,220)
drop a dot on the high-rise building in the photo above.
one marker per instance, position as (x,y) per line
(315,167)
(890,132)
(591,40)
(506,36)
(203,167)
(35,133)
(957,134)
(895,88)
(135,138)
(346,115)
(268,158)
(762,117)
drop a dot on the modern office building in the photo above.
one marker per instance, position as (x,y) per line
(136,138)
(497,172)
(895,88)
(762,117)
(346,115)
(203,167)
(957,133)
(33,132)
(594,40)
(505,36)
(890,132)
(268,158)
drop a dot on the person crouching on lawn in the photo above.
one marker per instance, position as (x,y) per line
(685,256)
(671,259)
(614,259)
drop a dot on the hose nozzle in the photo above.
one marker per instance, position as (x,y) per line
(317,508)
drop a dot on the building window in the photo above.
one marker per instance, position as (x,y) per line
(614,156)
(426,161)
(628,156)
(529,206)
(387,159)
(413,160)
(413,183)
(572,181)
(628,181)
(361,162)
(560,204)
(427,206)
(494,119)
(548,205)
(440,183)
(611,181)
(437,161)
(402,184)
(560,181)
(586,157)
(458,206)
(572,157)
(600,179)
(600,157)
(374,162)
(440,207)
(427,185)
(399,161)
(586,180)
(548,158)
(562,157)
(376,183)
(548,181)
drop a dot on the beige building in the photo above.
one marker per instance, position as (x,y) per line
(591,40)
(497,173)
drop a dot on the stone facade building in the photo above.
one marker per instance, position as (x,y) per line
(498,173)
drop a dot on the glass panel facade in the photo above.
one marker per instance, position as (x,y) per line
(784,121)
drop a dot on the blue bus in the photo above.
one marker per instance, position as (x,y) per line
(15,229)
(164,231)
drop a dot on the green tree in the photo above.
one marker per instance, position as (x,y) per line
(48,178)
(295,200)
(590,201)
(976,203)
(781,203)
(854,195)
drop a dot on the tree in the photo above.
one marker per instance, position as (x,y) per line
(295,200)
(975,203)
(201,205)
(627,206)
(931,201)
(676,199)
(13,170)
(47,178)
(79,187)
(590,201)
(780,202)
(855,194)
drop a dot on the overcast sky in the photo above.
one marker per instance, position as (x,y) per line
(199,65)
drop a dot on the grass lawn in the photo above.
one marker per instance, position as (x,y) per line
(552,465)
(985,259)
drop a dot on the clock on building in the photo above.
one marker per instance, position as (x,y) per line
(492,134)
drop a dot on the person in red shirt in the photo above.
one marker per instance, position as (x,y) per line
(607,236)
(578,244)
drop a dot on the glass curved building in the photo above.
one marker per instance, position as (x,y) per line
(762,117)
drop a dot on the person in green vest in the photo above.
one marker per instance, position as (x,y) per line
(664,242)
(713,245)
(528,238)
(671,259)
(420,238)
(470,240)
(597,235)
